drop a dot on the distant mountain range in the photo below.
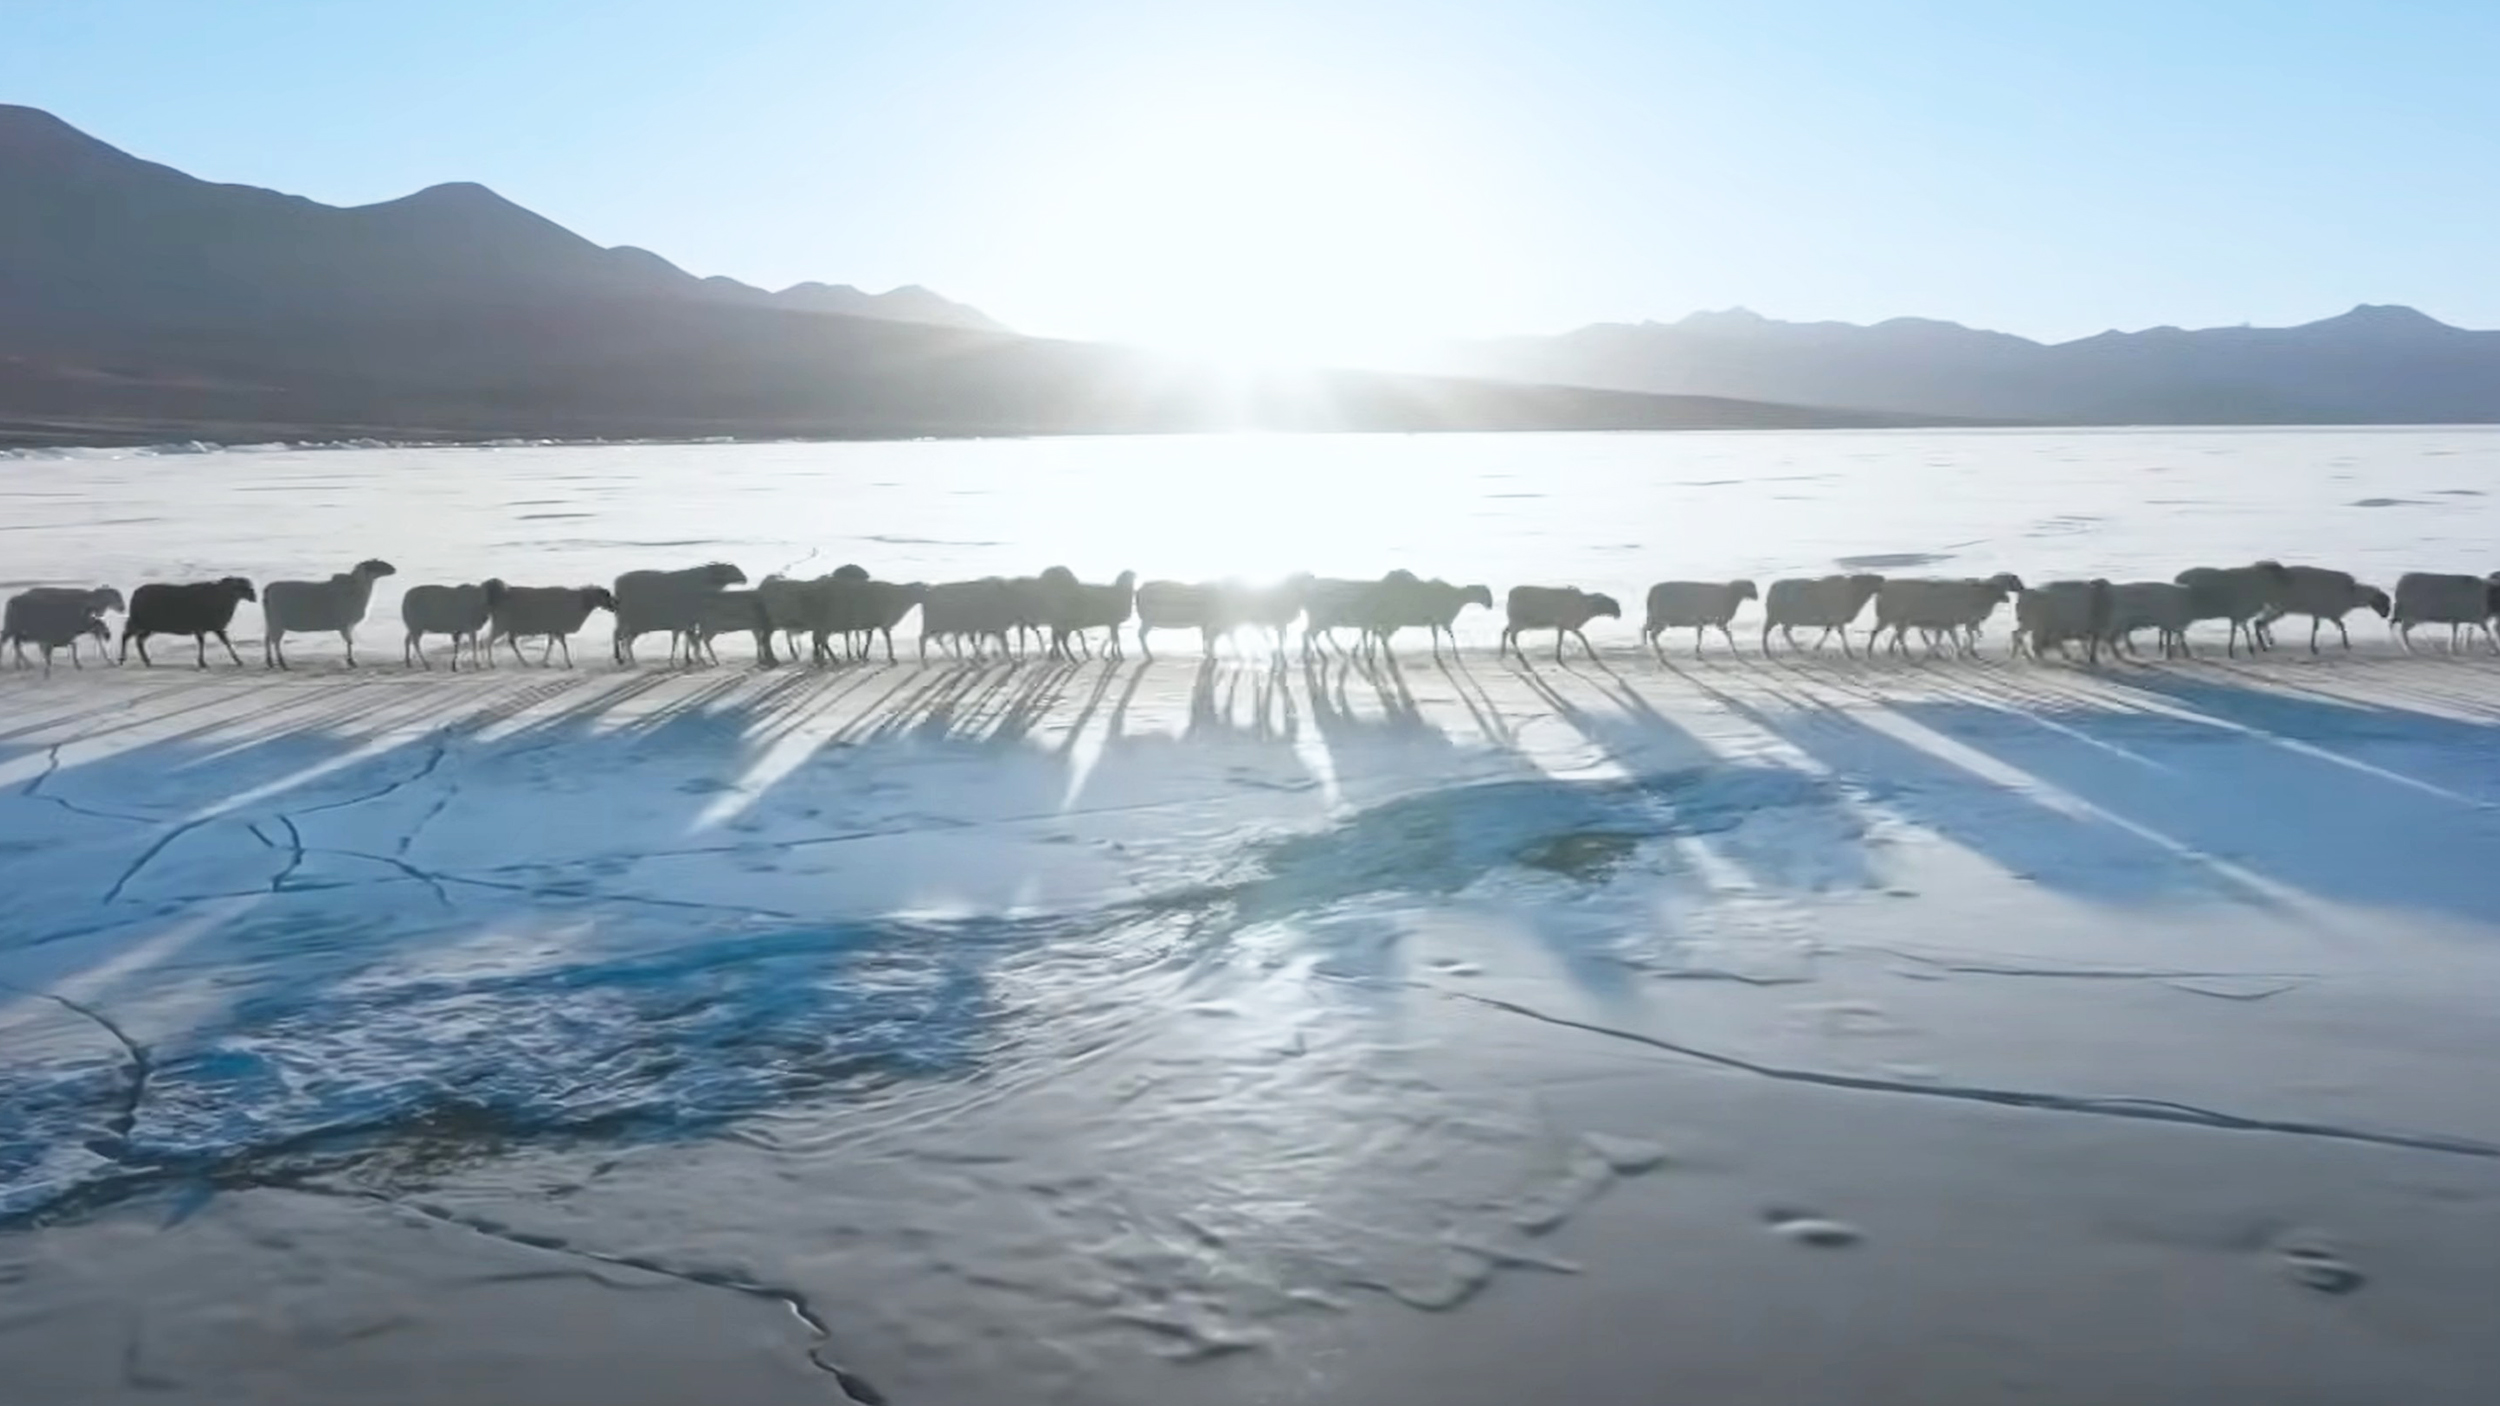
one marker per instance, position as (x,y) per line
(2372,365)
(139,303)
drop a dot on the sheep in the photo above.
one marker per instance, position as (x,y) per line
(2458,602)
(1075,607)
(2061,612)
(198,609)
(956,611)
(1831,602)
(793,607)
(1273,607)
(458,611)
(2323,595)
(868,609)
(51,619)
(2163,606)
(2240,595)
(1401,602)
(728,612)
(1561,609)
(522,612)
(304,607)
(1178,605)
(1331,604)
(1699,605)
(45,610)
(647,601)
(1217,608)
(1940,609)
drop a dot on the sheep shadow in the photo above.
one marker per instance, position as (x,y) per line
(2346,812)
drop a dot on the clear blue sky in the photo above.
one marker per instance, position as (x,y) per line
(1351,173)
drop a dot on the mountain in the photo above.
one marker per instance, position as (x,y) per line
(2372,365)
(137,302)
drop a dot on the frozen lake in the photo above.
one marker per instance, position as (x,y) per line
(1452,1031)
(1607,512)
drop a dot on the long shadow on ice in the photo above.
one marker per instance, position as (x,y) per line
(2060,849)
(2312,823)
(387,925)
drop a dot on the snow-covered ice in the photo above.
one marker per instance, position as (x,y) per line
(1452,1031)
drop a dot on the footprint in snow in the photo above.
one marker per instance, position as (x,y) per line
(1805,1228)
(2317,1269)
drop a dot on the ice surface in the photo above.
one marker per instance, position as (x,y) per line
(1044,1031)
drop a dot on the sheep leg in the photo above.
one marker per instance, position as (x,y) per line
(1766,639)
(349,638)
(202,642)
(1584,643)
(144,661)
(2314,623)
(2344,633)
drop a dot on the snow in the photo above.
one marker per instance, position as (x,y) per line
(1213,1032)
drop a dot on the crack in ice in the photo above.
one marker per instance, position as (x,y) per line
(2141,1109)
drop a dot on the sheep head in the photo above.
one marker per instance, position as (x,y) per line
(599,598)
(2006,582)
(1601,604)
(1862,587)
(239,588)
(1743,589)
(374,569)
(105,598)
(850,571)
(1126,580)
(1057,576)
(2377,600)
(1475,595)
(721,573)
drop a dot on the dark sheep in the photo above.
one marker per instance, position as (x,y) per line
(198,609)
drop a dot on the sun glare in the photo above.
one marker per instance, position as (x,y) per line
(1261,228)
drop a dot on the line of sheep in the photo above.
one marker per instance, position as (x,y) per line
(842,614)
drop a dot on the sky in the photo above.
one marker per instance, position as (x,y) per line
(1350,180)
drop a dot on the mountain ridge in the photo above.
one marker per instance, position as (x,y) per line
(139,303)
(2375,363)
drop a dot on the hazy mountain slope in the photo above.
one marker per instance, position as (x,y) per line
(2370,365)
(137,302)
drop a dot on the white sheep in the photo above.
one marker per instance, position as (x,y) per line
(458,611)
(2458,602)
(41,611)
(2061,612)
(867,609)
(1831,602)
(1076,606)
(1565,610)
(50,621)
(1331,604)
(335,606)
(1694,605)
(1217,608)
(2162,606)
(650,601)
(2323,595)
(955,612)
(555,612)
(2241,595)
(1401,602)
(1940,609)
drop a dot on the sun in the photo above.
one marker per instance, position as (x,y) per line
(1257,226)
